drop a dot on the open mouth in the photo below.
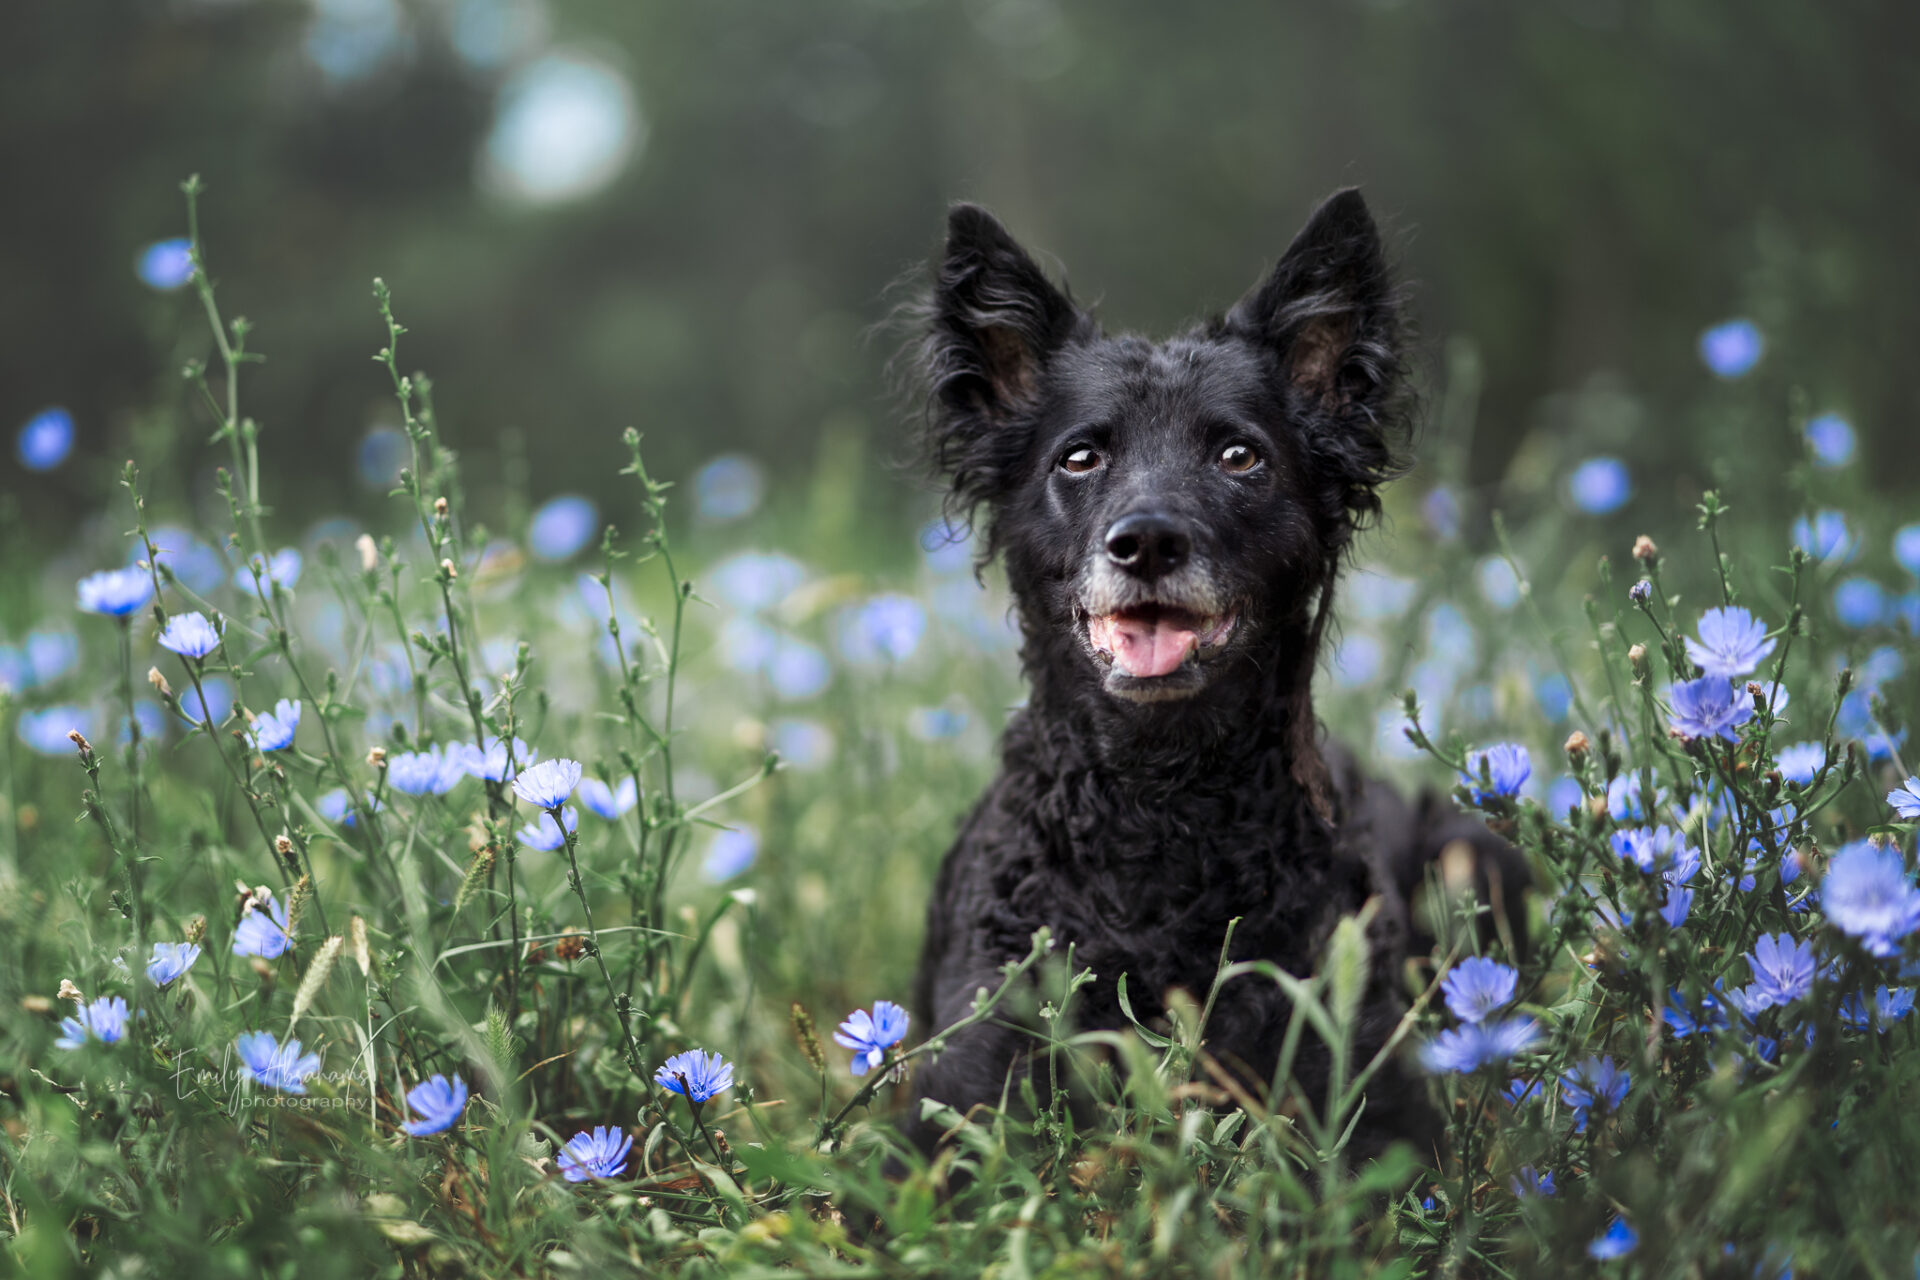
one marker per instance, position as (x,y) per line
(1149,641)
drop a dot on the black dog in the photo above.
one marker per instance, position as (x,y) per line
(1173,518)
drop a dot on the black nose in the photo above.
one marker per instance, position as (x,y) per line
(1148,545)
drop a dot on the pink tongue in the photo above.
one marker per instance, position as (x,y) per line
(1142,648)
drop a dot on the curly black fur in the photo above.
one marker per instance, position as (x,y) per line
(1136,816)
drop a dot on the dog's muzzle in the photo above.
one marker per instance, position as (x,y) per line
(1152,613)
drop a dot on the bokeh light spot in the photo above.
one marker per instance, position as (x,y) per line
(1600,486)
(165,264)
(1733,348)
(46,440)
(563,526)
(566,126)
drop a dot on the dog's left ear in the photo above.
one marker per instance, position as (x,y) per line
(1328,313)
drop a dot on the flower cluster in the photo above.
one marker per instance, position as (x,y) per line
(1475,990)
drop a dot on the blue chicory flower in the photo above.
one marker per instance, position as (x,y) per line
(754,581)
(1708,708)
(1889,1005)
(432,772)
(282,568)
(165,265)
(170,960)
(1799,762)
(1441,510)
(1678,906)
(1867,895)
(1860,603)
(190,635)
(1619,1239)
(1732,642)
(797,671)
(600,1154)
(1479,1044)
(104,1020)
(1594,1083)
(115,592)
(1906,548)
(207,704)
(1906,800)
(730,852)
(46,730)
(177,552)
(1477,987)
(728,488)
(262,930)
(1831,438)
(609,802)
(548,784)
(562,526)
(1782,971)
(1731,348)
(694,1075)
(1856,720)
(885,629)
(1500,770)
(489,760)
(871,1035)
(1825,537)
(274,1065)
(1600,486)
(273,730)
(544,835)
(438,1102)
(1527,1182)
(46,439)
(1710,1014)
(1644,847)
(1520,1091)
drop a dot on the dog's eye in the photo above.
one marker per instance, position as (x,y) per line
(1238,457)
(1080,461)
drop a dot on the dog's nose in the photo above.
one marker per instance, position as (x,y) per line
(1148,544)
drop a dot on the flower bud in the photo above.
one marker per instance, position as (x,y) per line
(1641,592)
(1644,551)
(1578,744)
(1637,659)
(79,740)
(448,570)
(70,992)
(440,508)
(196,928)
(159,682)
(377,757)
(369,553)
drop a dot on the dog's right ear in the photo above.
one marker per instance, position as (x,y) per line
(993,323)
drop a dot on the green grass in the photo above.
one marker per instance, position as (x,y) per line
(427,940)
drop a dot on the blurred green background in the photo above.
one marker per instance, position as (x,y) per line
(1653,248)
(686,217)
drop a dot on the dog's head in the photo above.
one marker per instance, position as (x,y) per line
(1172,514)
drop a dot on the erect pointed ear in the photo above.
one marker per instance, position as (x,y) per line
(990,327)
(1328,310)
(997,318)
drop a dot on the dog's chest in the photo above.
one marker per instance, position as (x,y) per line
(1146,884)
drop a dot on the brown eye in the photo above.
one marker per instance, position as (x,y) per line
(1081,461)
(1238,457)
